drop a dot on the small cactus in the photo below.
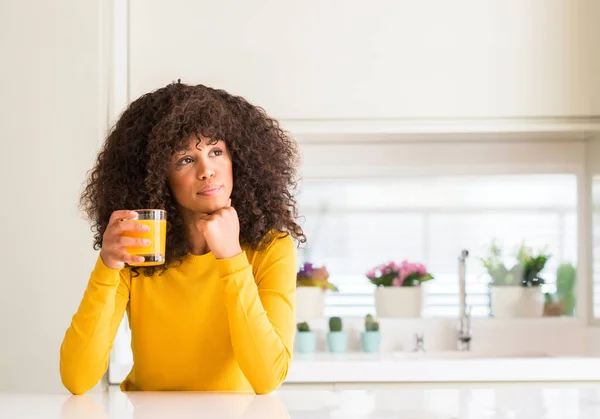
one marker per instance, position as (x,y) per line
(370,324)
(335,324)
(303,327)
(566,276)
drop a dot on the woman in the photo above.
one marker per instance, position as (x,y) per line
(219,314)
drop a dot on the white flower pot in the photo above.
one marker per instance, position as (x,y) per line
(516,301)
(310,303)
(398,301)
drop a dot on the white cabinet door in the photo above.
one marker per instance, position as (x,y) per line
(380,60)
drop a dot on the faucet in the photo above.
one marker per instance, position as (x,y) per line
(419,347)
(464,321)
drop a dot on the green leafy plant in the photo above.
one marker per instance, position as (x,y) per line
(370,324)
(525,271)
(303,327)
(531,266)
(335,324)
(496,269)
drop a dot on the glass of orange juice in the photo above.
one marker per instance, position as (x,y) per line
(154,253)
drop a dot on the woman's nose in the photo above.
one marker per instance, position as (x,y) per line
(205,172)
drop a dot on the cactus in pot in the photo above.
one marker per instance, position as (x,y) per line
(306,340)
(335,324)
(566,275)
(370,324)
(303,327)
(562,302)
(370,338)
(337,338)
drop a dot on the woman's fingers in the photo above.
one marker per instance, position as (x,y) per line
(116,240)
(120,215)
(124,241)
(126,225)
(127,258)
(117,258)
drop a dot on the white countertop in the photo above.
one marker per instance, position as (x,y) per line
(517,401)
(451,366)
(430,367)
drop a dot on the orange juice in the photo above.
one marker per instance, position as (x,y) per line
(154,253)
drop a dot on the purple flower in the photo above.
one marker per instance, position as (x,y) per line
(306,271)
(311,276)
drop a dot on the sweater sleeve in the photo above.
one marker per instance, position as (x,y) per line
(87,343)
(261,311)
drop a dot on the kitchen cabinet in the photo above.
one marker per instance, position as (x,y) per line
(387,60)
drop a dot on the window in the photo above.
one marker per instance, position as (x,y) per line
(355,224)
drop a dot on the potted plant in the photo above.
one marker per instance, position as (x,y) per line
(306,340)
(562,302)
(370,338)
(311,284)
(337,338)
(398,291)
(515,292)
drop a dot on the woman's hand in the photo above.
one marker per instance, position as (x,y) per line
(221,229)
(114,253)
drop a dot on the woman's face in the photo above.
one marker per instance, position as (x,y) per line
(201,177)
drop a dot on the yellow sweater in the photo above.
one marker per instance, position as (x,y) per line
(207,324)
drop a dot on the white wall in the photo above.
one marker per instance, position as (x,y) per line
(386,59)
(52,115)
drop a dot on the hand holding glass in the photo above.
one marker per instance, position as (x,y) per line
(154,252)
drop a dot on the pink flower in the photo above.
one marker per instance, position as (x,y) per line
(406,268)
(396,273)
(321,274)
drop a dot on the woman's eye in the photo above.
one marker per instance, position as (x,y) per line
(185,160)
(217,152)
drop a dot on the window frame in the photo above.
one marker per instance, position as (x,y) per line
(359,158)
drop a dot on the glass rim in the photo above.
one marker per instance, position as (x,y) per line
(150,214)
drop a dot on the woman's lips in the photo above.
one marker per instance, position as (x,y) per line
(211,191)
